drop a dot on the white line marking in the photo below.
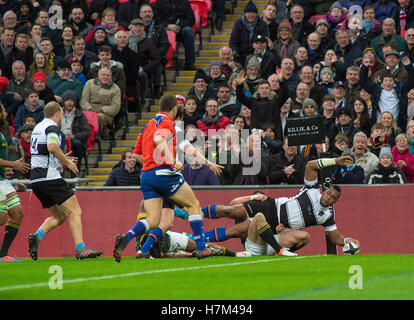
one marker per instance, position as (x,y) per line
(133,274)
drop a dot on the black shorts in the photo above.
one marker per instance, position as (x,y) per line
(267,207)
(52,192)
(168,203)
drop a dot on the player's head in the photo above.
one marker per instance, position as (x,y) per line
(168,104)
(53,111)
(258,192)
(331,195)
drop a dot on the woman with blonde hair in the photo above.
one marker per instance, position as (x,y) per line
(410,135)
(402,158)
(285,45)
(387,119)
(40,65)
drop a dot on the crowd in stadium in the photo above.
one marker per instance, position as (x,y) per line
(295,58)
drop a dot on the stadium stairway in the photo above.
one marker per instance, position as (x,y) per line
(178,83)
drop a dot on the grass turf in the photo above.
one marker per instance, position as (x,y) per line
(218,278)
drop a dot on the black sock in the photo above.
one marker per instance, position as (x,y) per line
(10,233)
(228,252)
(294,248)
(267,235)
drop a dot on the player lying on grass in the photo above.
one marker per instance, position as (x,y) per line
(288,216)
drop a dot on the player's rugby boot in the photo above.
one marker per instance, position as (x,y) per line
(120,244)
(87,253)
(34,242)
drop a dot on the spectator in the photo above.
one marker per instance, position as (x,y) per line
(227,103)
(268,61)
(402,157)
(128,11)
(336,17)
(405,10)
(213,119)
(198,174)
(352,83)
(77,20)
(19,83)
(273,80)
(332,62)
(110,27)
(24,135)
(253,171)
(315,51)
(344,125)
(410,105)
(148,55)
(74,125)
(105,60)
(63,44)
(309,109)
(363,157)
(359,38)
(98,6)
(386,170)
(301,57)
(388,36)
(265,104)
(326,36)
(285,112)
(46,47)
(388,95)
(125,173)
(40,85)
(25,52)
(99,38)
(285,45)
(339,92)
(345,49)
(217,78)
(159,35)
(25,14)
(385,9)
(301,28)
(42,19)
(191,115)
(410,135)
(289,75)
(227,64)
(348,174)
(253,74)
(409,39)
(286,167)
(246,113)
(77,70)
(178,16)
(302,92)
(10,22)
(201,90)
(371,26)
(32,106)
(326,80)
(390,127)
(360,116)
(102,96)
(269,16)
(316,92)
(40,65)
(64,81)
(328,114)
(375,65)
(392,59)
(240,123)
(270,143)
(377,138)
(86,57)
(35,36)
(9,52)
(244,30)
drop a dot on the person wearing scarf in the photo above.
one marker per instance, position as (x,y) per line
(213,119)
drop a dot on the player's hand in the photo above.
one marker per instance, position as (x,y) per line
(279,228)
(345,160)
(178,166)
(72,167)
(216,168)
(356,241)
(8,172)
(21,166)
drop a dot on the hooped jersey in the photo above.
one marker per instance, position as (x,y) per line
(162,124)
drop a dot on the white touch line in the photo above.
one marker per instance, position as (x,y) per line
(132,274)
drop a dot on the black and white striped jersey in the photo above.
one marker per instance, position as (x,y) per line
(305,209)
(44,166)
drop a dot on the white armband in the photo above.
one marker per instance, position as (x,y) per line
(325,162)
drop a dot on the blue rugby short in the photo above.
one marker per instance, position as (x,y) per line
(160,182)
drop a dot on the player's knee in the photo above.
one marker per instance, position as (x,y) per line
(259,217)
(61,219)
(16,213)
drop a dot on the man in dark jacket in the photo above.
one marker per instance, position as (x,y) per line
(268,60)
(301,28)
(74,125)
(345,49)
(126,173)
(286,167)
(128,11)
(8,52)
(178,16)
(244,30)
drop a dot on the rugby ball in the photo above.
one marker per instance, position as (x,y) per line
(350,248)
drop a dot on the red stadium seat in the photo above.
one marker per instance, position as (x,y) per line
(173,47)
(153,1)
(203,11)
(314,19)
(93,121)
(196,10)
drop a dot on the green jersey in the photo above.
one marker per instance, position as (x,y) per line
(4,154)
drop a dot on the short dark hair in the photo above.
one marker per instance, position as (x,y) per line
(105,48)
(337,188)
(124,153)
(167,102)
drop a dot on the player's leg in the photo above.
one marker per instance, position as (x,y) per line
(238,230)
(15,213)
(216,211)
(186,198)
(294,240)
(73,210)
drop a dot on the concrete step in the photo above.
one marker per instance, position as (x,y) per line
(222,38)
(107,164)
(175,92)
(181,86)
(209,53)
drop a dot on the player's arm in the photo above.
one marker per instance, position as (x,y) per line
(238,200)
(312,167)
(199,157)
(18,165)
(137,153)
(53,146)
(338,239)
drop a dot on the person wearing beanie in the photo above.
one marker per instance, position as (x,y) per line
(326,35)
(253,74)
(386,171)
(267,59)
(217,77)
(40,85)
(99,38)
(326,79)
(201,90)
(344,124)
(336,17)
(285,46)
(309,108)
(375,65)
(64,81)
(244,30)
